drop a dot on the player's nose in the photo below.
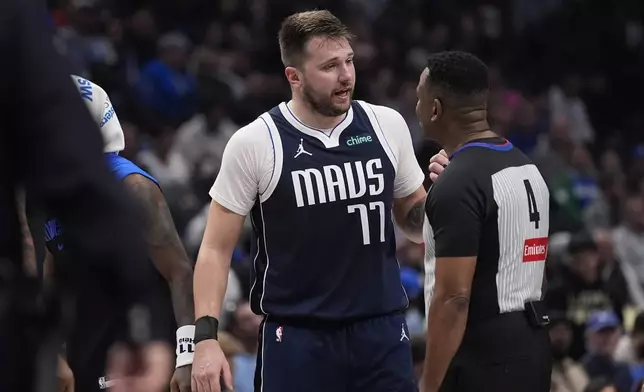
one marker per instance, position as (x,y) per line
(345,76)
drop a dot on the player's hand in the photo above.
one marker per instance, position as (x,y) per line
(145,370)
(65,376)
(209,367)
(437,164)
(181,379)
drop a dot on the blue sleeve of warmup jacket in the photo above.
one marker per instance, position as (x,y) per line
(123,167)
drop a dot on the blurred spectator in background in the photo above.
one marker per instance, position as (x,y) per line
(604,211)
(584,177)
(244,326)
(164,86)
(625,351)
(83,40)
(639,387)
(529,126)
(632,349)
(167,166)
(201,140)
(603,332)
(601,385)
(629,246)
(568,109)
(578,289)
(567,374)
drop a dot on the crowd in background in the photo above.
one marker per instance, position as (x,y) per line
(184,75)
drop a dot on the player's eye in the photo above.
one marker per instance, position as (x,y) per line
(329,67)
(349,61)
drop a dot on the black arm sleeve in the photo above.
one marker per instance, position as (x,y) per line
(59,157)
(456,208)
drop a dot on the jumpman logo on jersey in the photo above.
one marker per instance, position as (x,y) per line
(301,150)
(403,334)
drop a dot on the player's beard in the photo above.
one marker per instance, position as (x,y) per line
(324,105)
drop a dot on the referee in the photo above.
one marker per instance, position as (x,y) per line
(486,238)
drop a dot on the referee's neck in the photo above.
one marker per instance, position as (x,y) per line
(463,134)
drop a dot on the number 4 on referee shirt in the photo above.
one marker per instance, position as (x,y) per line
(532,204)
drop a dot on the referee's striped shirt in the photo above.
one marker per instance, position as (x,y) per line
(490,202)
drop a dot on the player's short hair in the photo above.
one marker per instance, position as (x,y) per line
(298,29)
(459,74)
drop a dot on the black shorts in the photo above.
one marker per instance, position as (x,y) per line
(372,355)
(503,354)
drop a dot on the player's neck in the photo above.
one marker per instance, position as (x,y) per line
(463,133)
(312,119)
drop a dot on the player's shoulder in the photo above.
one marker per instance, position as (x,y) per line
(382,112)
(127,171)
(250,136)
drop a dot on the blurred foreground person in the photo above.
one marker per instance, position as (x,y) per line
(97,322)
(48,146)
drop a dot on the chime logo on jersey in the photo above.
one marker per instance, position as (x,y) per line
(338,182)
(535,249)
(355,140)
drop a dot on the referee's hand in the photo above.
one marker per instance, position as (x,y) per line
(210,369)
(437,164)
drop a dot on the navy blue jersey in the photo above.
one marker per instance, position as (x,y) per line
(325,245)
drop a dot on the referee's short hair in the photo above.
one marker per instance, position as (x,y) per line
(459,74)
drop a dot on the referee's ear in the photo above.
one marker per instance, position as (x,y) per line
(437,110)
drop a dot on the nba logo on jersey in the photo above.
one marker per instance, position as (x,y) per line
(535,249)
(278,333)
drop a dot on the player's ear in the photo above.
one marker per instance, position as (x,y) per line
(292,76)
(437,110)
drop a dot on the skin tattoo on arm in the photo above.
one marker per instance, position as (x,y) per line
(164,246)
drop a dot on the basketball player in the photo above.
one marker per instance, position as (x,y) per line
(321,177)
(96,331)
(486,239)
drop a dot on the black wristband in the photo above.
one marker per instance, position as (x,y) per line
(206,328)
